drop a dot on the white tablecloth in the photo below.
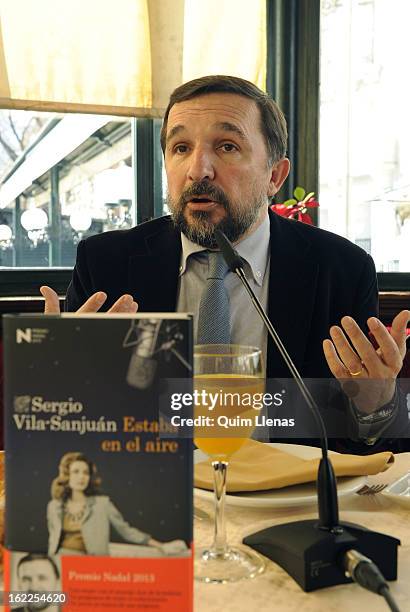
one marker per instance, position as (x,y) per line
(275,591)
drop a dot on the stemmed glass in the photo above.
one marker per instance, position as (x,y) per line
(225,370)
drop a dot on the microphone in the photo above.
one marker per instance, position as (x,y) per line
(327,492)
(142,366)
(310,550)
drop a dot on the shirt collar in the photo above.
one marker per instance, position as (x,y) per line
(254,249)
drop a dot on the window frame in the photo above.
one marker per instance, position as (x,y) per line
(293,42)
(25,281)
(293,61)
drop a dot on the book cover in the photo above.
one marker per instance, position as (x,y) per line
(98,495)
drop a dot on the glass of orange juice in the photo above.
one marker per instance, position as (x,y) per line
(226,378)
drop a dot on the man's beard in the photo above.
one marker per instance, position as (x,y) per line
(38,606)
(200,229)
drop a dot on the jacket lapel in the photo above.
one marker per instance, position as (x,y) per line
(89,505)
(292,289)
(153,272)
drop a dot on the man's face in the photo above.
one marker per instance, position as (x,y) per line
(37,576)
(217,167)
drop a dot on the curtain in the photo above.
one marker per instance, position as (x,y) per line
(126,56)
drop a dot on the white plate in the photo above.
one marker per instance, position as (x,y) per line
(399,491)
(296,495)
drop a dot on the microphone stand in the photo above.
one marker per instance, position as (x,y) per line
(313,551)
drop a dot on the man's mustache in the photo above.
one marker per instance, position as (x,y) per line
(204,188)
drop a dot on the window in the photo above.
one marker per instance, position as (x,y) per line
(66,177)
(364,126)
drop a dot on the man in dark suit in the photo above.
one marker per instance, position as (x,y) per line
(224,144)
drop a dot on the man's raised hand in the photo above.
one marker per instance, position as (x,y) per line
(125,303)
(351,355)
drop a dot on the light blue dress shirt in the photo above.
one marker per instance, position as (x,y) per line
(246,326)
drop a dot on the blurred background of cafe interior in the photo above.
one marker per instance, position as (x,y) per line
(83,87)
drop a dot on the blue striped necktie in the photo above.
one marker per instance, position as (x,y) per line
(214,316)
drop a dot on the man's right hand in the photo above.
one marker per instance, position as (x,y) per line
(125,303)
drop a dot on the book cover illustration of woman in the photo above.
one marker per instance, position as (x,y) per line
(79,516)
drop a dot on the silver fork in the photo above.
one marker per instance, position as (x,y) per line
(371,489)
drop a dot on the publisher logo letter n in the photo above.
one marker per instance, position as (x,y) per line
(23,335)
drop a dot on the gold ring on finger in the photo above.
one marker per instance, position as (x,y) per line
(356,373)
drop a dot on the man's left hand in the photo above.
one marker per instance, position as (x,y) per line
(358,360)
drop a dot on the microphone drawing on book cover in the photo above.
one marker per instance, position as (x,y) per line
(79,516)
(151,338)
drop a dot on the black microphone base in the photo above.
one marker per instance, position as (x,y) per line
(314,556)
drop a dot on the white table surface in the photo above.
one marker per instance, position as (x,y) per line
(275,591)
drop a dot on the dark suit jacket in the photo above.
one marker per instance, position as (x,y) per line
(316,278)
